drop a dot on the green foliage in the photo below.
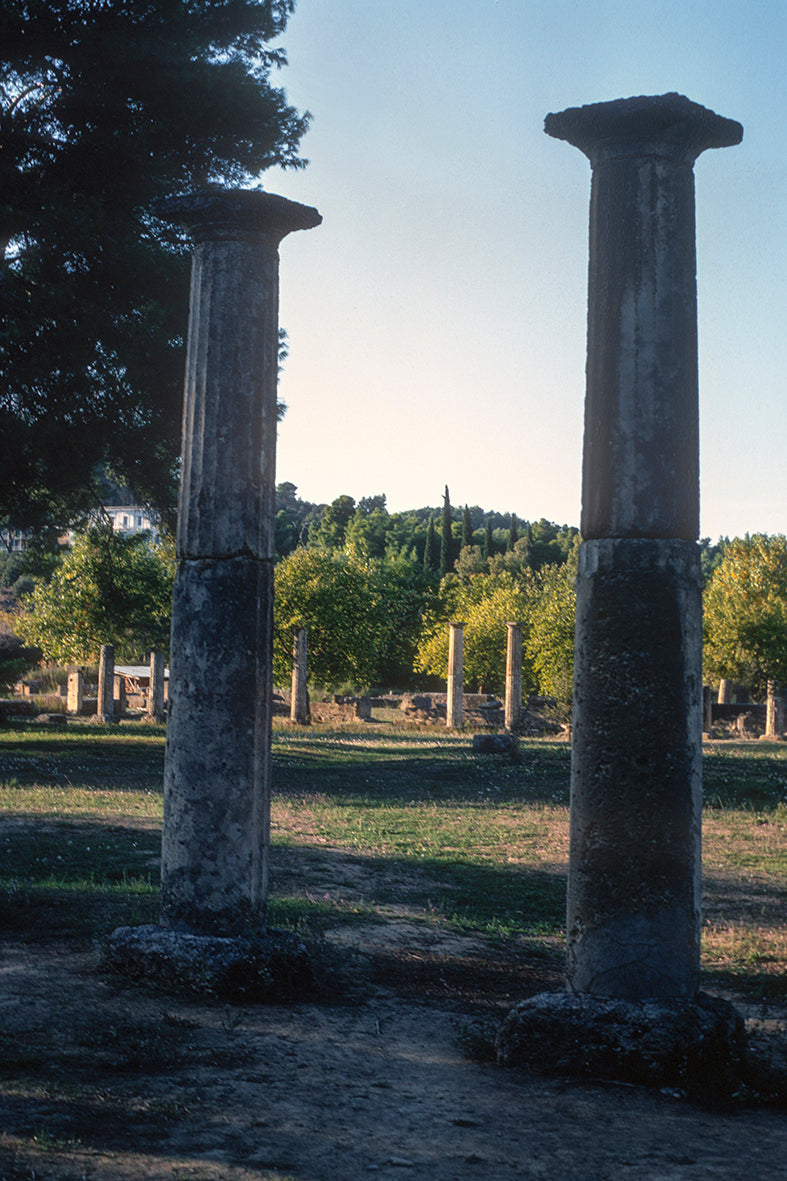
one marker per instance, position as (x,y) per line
(331,530)
(488,547)
(543,603)
(513,535)
(367,532)
(361,615)
(328,594)
(484,604)
(745,612)
(110,589)
(446,537)
(431,556)
(392,562)
(467,528)
(293,518)
(105,107)
(548,641)
(711,556)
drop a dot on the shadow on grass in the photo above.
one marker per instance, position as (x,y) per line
(64,879)
(433,775)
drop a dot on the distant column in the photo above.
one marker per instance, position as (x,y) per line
(774,711)
(725,691)
(75,692)
(155,702)
(454,709)
(633,928)
(513,703)
(299,702)
(120,702)
(707,709)
(217,770)
(105,707)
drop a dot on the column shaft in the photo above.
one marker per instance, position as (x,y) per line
(155,702)
(105,706)
(634,869)
(299,704)
(513,702)
(217,771)
(454,706)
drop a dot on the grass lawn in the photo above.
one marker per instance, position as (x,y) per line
(376,824)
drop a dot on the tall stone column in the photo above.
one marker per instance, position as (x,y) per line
(155,702)
(454,706)
(632,1009)
(217,769)
(513,702)
(299,702)
(634,868)
(105,707)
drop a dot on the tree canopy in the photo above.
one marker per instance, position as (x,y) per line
(745,612)
(109,589)
(106,105)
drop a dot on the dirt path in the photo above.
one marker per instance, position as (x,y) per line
(104,1083)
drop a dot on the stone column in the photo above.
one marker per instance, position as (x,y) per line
(774,711)
(707,709)
(120,700)
(725,691)
(155,702)
(105,706)
(454,706)
(634,871)
(513,704)
(299,702)
(75,692)
(217,769)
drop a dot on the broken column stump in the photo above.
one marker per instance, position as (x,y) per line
(217,771)
(633,921)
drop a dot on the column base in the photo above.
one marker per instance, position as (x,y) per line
(696,1046)
(273,966)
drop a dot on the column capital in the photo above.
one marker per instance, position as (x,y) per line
(239,215)
(670,126)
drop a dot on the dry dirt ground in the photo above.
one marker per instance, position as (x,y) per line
(372,1078)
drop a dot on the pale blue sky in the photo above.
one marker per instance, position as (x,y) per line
(437,317)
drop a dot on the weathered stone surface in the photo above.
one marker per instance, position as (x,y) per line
(299,705)
(347,710)
(105,711)
(634,865)
(275,966)
(636,787)
(641,448)
(494,744)
(697,1044)
(454,715)
(76,692)
(154,705)
(216,778)
(217,771)
(513,698)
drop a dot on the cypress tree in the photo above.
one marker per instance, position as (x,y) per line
(513,536)
(467,528)
(446,538)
